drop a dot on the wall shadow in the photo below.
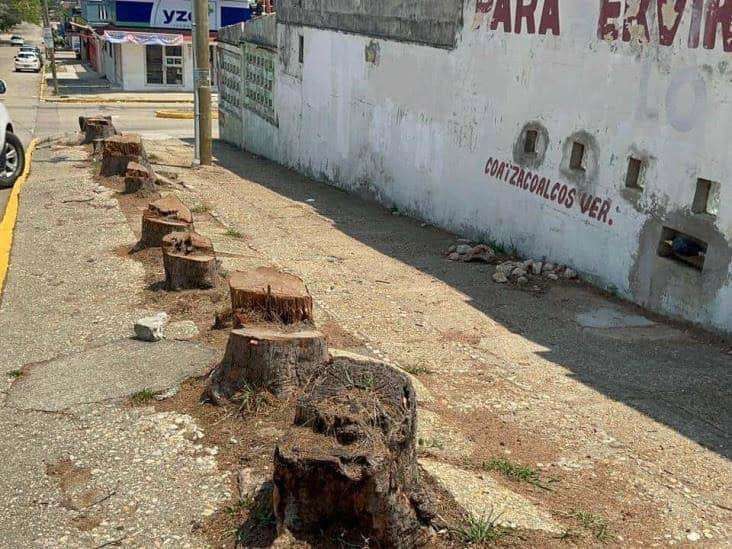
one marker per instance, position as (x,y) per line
(682,378)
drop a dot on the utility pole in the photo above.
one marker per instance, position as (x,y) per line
(52,49)
(201,80)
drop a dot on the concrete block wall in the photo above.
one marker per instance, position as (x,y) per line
(442,133)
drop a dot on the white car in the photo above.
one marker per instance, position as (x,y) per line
(16,40)
(27,61)
(12,155)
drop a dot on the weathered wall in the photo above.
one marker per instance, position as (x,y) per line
(440,133)
(433,22)
(133,70)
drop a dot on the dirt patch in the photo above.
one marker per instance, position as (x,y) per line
(85,523)
(455,336)
(339,338)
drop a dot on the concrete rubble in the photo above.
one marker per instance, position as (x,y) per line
(151,328)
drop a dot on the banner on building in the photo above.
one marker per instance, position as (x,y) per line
(143,38)
(177,14)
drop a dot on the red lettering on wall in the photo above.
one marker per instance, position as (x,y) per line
(609,12)
(718,15)
(502,14)
(525,12)
(550,17)
(636,19)
(696,21)
(667,29)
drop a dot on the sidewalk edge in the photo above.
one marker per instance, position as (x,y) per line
(7,224)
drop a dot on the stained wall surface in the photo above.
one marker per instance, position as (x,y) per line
(523,132)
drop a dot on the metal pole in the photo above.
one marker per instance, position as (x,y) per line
(201,78)
(196,111)
(52,49)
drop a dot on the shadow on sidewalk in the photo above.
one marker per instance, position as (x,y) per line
(679,379)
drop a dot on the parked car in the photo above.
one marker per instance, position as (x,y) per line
(27,61)
(16,40)
(32,48)
(12,154)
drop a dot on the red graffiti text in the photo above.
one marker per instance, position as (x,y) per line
(553,191)
(518,16)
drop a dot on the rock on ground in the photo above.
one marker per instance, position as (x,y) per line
(151,328)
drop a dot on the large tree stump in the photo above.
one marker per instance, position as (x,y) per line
(83,120)
(189,261)
(138,179)
(119,151)
(162,217)
(278,296)
(349,461)
(266,358)
(96,129)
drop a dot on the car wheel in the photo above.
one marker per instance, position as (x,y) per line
(14,157)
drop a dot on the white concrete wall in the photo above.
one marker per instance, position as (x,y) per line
(108,62)
(417,127)
(133,72)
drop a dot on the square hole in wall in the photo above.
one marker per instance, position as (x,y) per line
(634,175)
(682,248)
(301,49)
(532,137)
(706,197)
(576,161)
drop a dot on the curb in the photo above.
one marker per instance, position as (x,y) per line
(182,115)
(7,224)
(100,99)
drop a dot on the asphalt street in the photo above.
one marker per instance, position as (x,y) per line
(33,118)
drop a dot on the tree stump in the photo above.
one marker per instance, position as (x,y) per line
(278,296)
(189,261)
(83,120)
(97,128)
(266,358)
(138,179)
(349,461)
(162,217)
(120,150)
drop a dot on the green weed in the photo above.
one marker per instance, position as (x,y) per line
(428,443)
(15,373)
(481,529)
(517,472)
(596,524)
(143,397)
(233,233)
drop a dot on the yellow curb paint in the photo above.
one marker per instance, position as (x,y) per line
(101,99)
(7,225)
(181,115)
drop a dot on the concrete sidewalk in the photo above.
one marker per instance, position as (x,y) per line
(631,418)
(79,466)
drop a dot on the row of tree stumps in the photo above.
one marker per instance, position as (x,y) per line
(348,461)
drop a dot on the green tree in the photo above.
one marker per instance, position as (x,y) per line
(13,12)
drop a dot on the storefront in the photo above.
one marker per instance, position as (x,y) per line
(148,47)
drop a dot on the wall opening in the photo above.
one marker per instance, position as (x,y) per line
(532,137)
(301,48)
(706,197)
(682,248)
(634,175)
(577,159)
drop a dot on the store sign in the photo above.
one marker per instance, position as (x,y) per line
(178,14)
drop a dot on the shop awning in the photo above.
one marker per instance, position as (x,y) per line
(143,38)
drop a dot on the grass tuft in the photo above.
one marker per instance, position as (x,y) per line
(417,370)
(596,524)
(250,400)
(15,373)
(517,472)
(199,208)
(233,233)
(479,529)
(429,443)
(143,397)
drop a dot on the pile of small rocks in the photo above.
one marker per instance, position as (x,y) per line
(521,271)
(468,253)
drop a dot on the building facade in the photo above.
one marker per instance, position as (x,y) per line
(595,133)
(145,45)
